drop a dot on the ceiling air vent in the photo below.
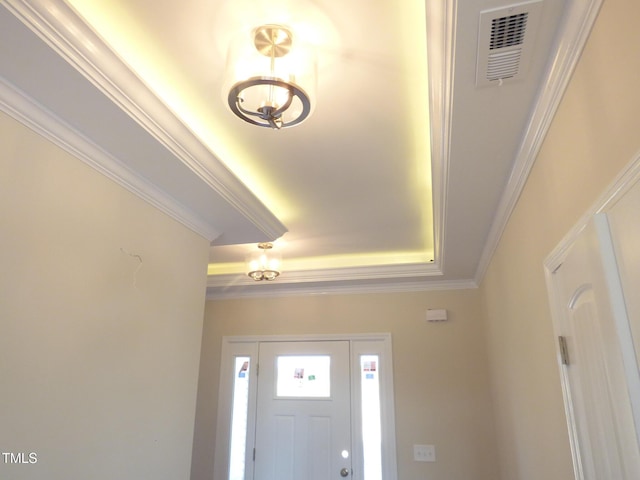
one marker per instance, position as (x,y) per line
(505,42)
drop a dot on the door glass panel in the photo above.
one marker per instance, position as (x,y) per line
(371,424)
(239,418)
(303,376)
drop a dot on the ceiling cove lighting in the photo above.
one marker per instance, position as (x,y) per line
(271,77)
(264,264)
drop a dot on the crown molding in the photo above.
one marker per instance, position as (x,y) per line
(579,19)
(372,279)
(388,286)
(24,110)
(330,275)
(62,29)
(441,27)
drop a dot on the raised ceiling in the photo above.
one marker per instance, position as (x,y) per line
(402,178)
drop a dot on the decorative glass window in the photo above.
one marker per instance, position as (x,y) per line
(239,413)
(303,376)
(371,421)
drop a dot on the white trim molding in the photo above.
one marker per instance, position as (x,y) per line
(441,28)
(24,110)
(231,291)
(625,180)
(116,88)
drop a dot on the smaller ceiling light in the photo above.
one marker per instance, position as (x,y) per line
(271,76)
(264,264)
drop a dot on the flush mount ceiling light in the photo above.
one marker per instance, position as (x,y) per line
(263,264)
(271,77)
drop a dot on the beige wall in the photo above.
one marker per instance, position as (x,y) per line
(98,372)
(593,136)
(441,383)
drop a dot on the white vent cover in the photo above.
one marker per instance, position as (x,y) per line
(505,42)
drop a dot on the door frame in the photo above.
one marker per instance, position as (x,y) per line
(360,344)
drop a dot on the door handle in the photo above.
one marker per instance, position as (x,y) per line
(344,472)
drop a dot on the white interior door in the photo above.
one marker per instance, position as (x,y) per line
(591,310)
(303,420)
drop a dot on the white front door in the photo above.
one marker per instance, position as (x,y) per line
(590,310)
(303,419)
(311,407)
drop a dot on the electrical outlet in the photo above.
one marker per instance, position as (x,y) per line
(424,453)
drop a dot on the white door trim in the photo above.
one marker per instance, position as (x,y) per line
(233,346)
(625,180)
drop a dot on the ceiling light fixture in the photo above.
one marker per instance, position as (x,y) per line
(271,76)
(264,264)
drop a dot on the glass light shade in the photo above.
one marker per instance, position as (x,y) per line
(264,264)
(270,70)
